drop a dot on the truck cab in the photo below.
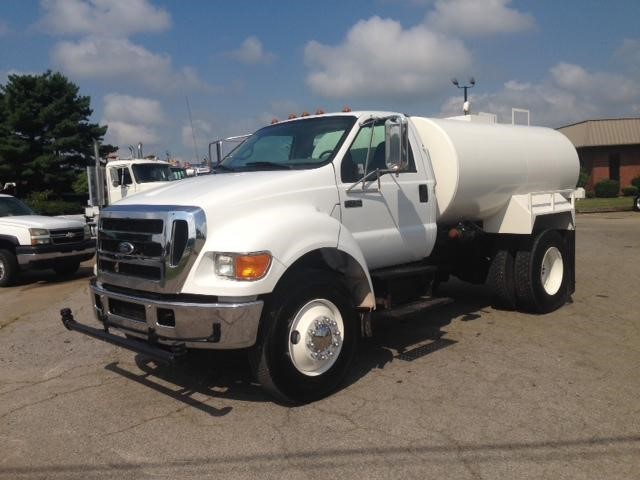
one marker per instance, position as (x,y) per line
(125,178)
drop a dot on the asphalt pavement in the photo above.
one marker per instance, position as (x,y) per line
(463,392)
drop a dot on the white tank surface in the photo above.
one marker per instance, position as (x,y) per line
(479,167)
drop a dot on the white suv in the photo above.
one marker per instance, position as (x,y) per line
(30,241)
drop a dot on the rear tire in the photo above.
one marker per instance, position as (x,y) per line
(636,203)
(542,274)
(309,334)
(8,268)
(66,269)
(501,280)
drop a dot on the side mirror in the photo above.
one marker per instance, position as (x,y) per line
(397,143)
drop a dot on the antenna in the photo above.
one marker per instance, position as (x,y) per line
(193,133)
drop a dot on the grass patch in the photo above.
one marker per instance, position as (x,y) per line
(586,205)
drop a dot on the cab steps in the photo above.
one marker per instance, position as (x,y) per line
(422,304)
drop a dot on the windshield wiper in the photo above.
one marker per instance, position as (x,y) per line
(277,166)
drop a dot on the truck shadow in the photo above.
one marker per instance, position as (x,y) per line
(415,336)
(37,278)
(207,375)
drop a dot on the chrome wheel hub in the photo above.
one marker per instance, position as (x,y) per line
(323,338)
(316,337)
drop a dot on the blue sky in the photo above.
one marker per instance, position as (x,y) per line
(242,63)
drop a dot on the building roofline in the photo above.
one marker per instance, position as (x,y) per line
(598,120)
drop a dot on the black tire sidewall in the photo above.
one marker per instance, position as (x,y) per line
(544,302)
(294,385)
(10,263)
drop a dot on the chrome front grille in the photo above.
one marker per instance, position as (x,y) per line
(66,235)
(149,247)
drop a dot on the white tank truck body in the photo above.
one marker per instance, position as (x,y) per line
(503,175)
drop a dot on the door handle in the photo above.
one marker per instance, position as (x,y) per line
(423,192)
(352,203)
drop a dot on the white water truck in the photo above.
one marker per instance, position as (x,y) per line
(311,225)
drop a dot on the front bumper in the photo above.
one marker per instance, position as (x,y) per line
(190,323)
(43,256)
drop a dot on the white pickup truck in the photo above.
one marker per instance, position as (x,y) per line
(30,241)
(311,224)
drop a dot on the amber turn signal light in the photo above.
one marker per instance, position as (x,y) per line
(252,267)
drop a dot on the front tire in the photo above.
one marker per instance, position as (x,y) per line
(542,274)
(308,337)
(636,203)
(8,268)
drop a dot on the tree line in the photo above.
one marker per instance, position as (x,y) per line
(46,138)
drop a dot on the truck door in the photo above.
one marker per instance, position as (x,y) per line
(393,221)
(120,184)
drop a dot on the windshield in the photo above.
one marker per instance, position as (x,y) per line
(305,143)
(12,207)
(151,172)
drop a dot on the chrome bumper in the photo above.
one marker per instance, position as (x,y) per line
(33,257)
(192,324)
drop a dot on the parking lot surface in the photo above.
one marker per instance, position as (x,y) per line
(463,392)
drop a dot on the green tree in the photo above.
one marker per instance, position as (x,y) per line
(46,138)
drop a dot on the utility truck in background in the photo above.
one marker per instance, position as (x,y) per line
(117,179)
(312,224)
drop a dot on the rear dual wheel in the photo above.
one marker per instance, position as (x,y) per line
(542,274)
(308,338)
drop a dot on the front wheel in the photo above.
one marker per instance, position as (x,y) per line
(636,203)
(308,338)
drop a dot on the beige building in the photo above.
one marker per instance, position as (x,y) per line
(607,148)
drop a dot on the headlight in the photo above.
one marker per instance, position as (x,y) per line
(39,236)
(87,232)
(245,266)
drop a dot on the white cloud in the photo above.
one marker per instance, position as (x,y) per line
(251,52)
(568,94)
(477,18)
(133,109)
(115,18)
(110,59)
(124,133)
(132,120)
(379,58)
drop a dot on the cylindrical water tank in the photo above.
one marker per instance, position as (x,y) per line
(479,166)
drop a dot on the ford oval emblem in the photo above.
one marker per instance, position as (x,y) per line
(126,248)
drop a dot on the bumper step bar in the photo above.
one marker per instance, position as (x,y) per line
(168,357)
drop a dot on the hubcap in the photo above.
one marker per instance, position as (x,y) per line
(321,328)
(551,271)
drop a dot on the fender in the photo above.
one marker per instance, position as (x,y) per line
(288,233)
(9,239)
